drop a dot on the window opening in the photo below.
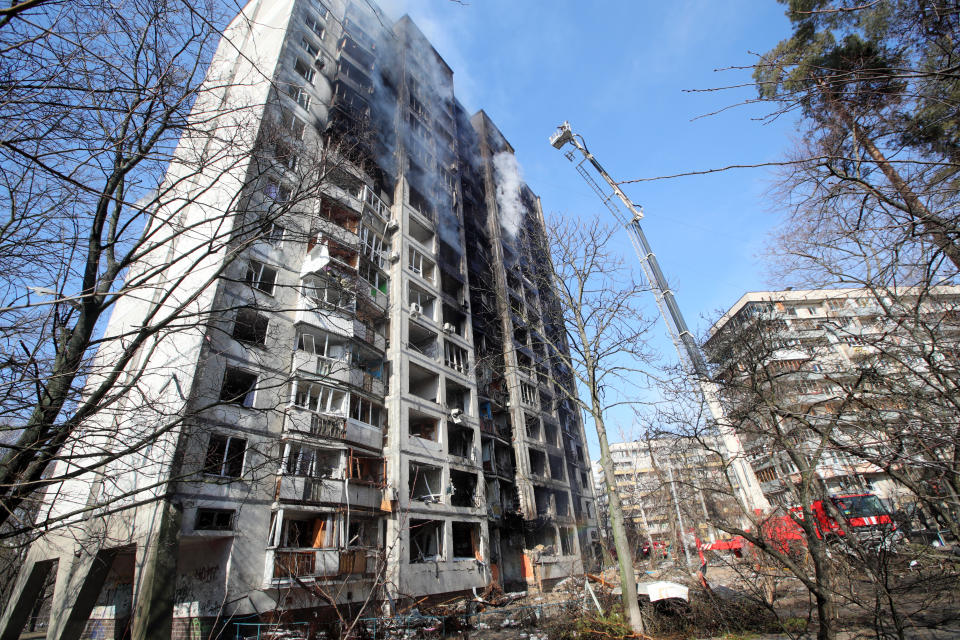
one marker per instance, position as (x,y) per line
(224,456)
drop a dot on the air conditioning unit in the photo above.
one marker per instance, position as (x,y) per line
(392,226)
(394,256)
(456,416)
(448,328)
(415,309)
(464,304)
(320,62)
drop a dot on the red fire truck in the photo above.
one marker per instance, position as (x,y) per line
(864,516)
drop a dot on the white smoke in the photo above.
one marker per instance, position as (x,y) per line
(509,182)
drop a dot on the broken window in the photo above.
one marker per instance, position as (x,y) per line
(214,520)
(304,69)
(261,277)
(466,541)
(459,441)
(457,397)
(362,533)
(425,483)
(426,540)
(367,469)
(365,411)
(464,486)
(562,503)
(225,456)
(239,386)
(420,264)
(292,124)
(423,426)
(300,96)
(551,434)
(250,327)
(319,398)
(566,541)
(556,467)
(543,498)
(423,383)
(533,426)
(301,460)
(538,462)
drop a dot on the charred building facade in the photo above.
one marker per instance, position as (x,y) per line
(373,408)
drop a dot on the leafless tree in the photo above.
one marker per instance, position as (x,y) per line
(596,318)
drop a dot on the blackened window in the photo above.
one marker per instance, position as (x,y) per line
(250,327)
(225,456)
(214,520)
(238,386)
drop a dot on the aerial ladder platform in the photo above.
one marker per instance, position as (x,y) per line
(744,480)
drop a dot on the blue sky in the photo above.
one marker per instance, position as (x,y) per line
(620,72)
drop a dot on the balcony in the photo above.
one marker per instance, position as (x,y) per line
(372,294)
(375,204)
(370,336)
(316,424)
(331,491)
(330,368)
(320,563)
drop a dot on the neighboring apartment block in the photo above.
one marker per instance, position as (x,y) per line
(851,370)
(664,487)
(376,406)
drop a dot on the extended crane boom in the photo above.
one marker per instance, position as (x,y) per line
(744,479)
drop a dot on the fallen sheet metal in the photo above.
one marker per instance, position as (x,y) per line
(662,590)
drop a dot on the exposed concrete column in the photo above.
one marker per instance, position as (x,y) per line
(25,595)
(157,577)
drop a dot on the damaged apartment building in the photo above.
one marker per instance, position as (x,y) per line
(376,408)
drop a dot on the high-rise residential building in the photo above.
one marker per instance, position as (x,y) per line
(857,380)
(666,487)
(375,410)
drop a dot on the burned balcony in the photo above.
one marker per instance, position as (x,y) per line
(343,187)
(328,290)
(420,264)
(353,49)
(421,204)
(425,483)
(544,498)
(556,467)
(538,462)
(464,487)
(460,441)
(376,204)
(454,321)
(497,458)
(551,434)
(532,424)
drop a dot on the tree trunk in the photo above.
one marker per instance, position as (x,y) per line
(628,580)
(940,231)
